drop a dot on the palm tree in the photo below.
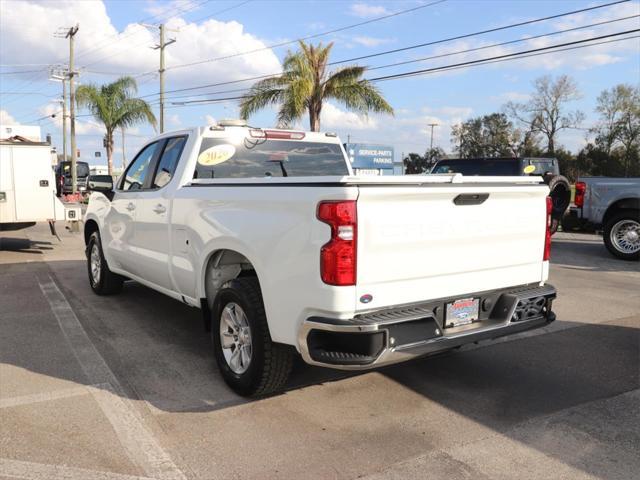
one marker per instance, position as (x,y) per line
(305,84)
(115,106)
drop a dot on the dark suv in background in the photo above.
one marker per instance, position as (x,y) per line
(547,168)
(63,177)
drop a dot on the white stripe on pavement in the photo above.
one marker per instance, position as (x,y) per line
(139,443)
(39,471)
(45,396)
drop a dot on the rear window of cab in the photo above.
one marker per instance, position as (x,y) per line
(260,157)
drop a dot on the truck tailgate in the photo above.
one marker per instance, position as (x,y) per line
(420,242)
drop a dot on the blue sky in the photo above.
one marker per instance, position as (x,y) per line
(111,41)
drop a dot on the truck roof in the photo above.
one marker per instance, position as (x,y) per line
(495,158)
(226,128)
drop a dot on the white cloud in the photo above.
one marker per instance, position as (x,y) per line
(84,125)
(511,97)
(7,119)
(174,120)
(101,47)
(333,117)
(364,10)
(408,131)
(210,120)
(372,41)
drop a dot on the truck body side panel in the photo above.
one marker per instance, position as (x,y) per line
(602,192)
(27,179)
(276,229)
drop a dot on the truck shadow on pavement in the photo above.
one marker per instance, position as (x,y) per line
(157,349)
(23,245)
(587,253)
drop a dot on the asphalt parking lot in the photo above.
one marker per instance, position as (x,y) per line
(124,387)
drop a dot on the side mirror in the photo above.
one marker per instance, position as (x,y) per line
(100,183)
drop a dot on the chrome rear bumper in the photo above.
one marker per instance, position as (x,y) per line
(397,335)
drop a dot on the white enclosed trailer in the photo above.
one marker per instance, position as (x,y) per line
(27,184)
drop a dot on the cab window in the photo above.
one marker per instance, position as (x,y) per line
(168,162)
(138,171)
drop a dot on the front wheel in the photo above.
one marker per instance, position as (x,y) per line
(102,280)
(249,361)
(622,235)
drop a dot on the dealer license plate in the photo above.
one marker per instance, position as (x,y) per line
(462,312)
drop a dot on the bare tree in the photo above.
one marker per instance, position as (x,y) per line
(619,124)
(545,113)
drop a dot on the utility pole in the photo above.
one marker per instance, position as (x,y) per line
(60,75)
(70,33)
(431,143)
(64,119)
(161,46)
(72,109)
(124,159)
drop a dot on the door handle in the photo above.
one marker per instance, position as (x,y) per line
(160,209)
(131,207)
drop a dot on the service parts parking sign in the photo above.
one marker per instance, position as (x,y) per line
(366,156)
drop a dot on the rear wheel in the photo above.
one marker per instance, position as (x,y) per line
(622,235)
(560,193)
(102,280)
(250,362)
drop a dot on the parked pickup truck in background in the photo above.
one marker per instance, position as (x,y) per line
(613,205)
(286,252)
(547,168)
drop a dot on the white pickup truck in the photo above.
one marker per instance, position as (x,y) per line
(285,251)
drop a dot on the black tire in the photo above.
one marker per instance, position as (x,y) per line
(629,215)
(270,363)
(560,193)
(107,282)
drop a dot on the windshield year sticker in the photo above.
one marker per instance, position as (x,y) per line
(216,155)
(529,169)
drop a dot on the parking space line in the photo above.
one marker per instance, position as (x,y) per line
(139,443)
(41,471)
(45,396)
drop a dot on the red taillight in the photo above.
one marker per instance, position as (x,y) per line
(547,234)
(338,256)
(581,189)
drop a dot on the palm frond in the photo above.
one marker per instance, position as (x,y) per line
(304,84)
(113,104)
(258,98)
(362,96)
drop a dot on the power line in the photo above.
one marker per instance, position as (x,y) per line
(224,10)
(578,44)
(509,42)
(260,77)
(308,37)
(467,35)
(508,55)
(18,72)
(458,52)
(482,32)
